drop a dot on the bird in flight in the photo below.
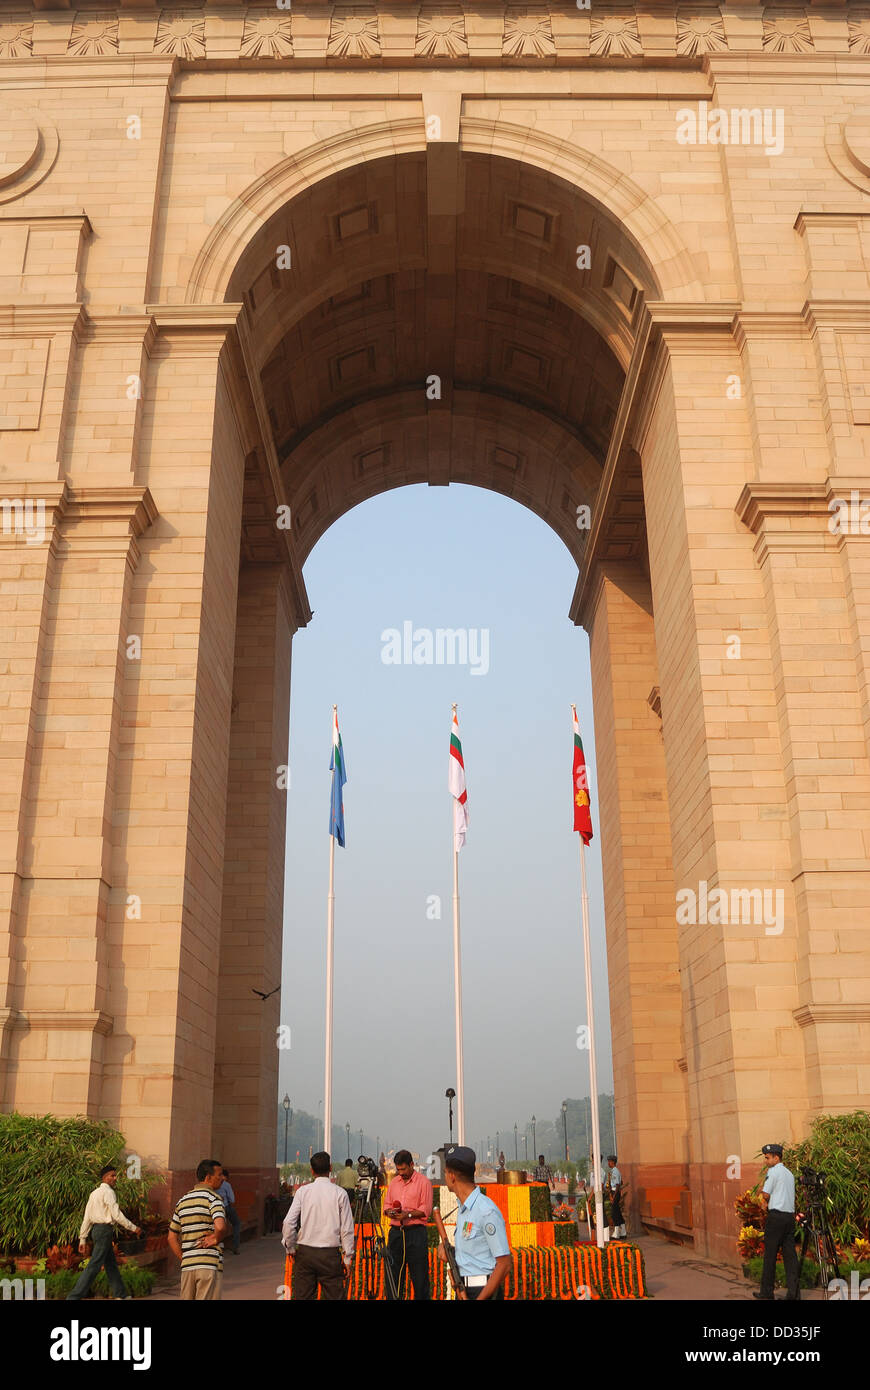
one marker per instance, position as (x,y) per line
(265,996)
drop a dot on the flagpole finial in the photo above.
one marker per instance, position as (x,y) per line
(454,707)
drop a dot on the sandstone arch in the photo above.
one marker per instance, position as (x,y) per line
(141,376)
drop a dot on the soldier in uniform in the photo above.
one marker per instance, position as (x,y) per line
(482,1250)
(614,1183)
(778,1197)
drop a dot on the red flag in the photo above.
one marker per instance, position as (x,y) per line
(582,808)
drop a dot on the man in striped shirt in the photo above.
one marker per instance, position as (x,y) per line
(196,1230)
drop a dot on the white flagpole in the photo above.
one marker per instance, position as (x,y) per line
(330,934)
(593,1074)
(457,985)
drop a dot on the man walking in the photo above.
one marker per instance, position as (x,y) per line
(778,1196)
(318,1234)
(198,1225)
(482,1250)
(228,1197)
(408,1204)
(102,1213)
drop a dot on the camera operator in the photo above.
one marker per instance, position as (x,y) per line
(778,1197)
(347,1177)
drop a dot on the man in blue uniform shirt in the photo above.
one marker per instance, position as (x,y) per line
(778,1195)
(482,1250)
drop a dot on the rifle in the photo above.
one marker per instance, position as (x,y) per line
(449,1255)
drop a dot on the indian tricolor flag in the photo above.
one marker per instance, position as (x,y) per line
(582,809)
(456,783)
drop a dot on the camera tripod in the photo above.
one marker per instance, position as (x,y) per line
(817,1230)
(370,1243)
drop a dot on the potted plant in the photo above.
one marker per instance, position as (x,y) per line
(155,1229)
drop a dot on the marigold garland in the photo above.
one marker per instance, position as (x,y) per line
(518,1205)
(536,1273)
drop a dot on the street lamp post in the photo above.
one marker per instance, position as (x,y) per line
(565,1126)
(360,1141)
(516,1153)
(534,1139)
(286,1104)
(347,1132)
(525,1145)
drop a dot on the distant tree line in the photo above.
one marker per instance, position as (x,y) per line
(304,1135)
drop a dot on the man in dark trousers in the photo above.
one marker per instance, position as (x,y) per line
(102,1214)
(318,1235)
(614,1183)
(778,1196)
(408,1204)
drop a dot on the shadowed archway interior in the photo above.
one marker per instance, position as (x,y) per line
(467,322)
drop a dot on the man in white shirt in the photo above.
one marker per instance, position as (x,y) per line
(102,1213)
(318,1235)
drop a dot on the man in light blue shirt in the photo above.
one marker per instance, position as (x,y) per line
(228,1197)
(614,1182)
(778,1196)
(482,1250)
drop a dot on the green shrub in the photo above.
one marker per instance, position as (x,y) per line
(48,1168)
(839,1147)
(138,1282)
(809,1274)
(540,1207)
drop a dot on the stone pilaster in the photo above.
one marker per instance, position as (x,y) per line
(167,866)
(642,941)
(247,1048)
(816,587)
(726,770)
(58,976)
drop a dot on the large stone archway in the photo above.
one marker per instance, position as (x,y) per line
(321,267)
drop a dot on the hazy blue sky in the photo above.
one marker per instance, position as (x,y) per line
(457,557)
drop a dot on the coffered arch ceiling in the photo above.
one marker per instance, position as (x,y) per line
(433,326)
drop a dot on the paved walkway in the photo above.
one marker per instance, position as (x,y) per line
(256,1272)
(673,1272)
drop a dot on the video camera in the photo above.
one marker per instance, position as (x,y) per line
(366,1167)
(813,1183)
